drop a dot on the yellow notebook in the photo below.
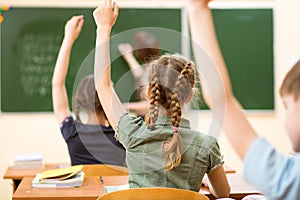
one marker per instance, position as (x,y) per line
(61,174)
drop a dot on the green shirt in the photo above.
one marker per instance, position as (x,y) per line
(200,153)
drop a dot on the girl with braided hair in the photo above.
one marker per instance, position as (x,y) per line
(94,142)
(162,151)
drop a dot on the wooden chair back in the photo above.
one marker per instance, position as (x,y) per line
(104,170)
(153,194)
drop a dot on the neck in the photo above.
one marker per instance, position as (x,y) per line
(96,119)
(164,112)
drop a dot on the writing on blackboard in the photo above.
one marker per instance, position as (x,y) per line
(37,53)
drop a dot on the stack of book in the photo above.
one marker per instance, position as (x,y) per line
(27,161)
(60,178)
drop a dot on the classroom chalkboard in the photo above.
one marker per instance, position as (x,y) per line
(246,41)
(31,38)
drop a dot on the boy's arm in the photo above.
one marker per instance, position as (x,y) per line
(127,53)
(217,87)
(105,17)
(59,94)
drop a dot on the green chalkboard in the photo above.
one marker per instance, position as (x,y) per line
(246,41)
(31,38)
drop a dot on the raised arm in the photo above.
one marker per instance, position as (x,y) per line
(127,53)
(59,94)
(139,107)
(105,17)
(217,87)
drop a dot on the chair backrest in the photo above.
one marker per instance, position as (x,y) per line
(104,170)
(153,194)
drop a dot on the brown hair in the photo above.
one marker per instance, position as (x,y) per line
(86,98)
(171,80)
(146,46)
(291,82)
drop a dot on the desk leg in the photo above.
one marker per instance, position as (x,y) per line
(15,185)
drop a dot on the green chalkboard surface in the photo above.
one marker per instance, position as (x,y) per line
(31,38)
(246,41)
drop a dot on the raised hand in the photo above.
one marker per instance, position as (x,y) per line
(106,14)
(125,48)
(73,28)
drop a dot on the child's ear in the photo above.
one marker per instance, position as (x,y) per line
(189,98)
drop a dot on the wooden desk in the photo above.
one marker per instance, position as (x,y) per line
(92,189)
(18,174)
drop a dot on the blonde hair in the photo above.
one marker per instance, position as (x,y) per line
(86,98)
(171,80)
(291,82)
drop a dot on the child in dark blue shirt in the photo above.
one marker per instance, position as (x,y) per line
(90,143)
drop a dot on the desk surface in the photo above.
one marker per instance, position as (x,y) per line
(92,189)
(19,174)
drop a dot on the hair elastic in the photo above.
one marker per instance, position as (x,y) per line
(175,129)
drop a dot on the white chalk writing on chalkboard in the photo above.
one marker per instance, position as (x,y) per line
(37,51)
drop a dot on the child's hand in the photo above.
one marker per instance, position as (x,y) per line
(106,14)
(125,48)
(73,28)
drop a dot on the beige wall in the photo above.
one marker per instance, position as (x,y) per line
(29,133)
(39,132)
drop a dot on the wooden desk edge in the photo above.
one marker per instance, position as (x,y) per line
(98,189)
(25,190)
(18,174)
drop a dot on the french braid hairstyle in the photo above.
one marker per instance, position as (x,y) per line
(171,81)
(86,98)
